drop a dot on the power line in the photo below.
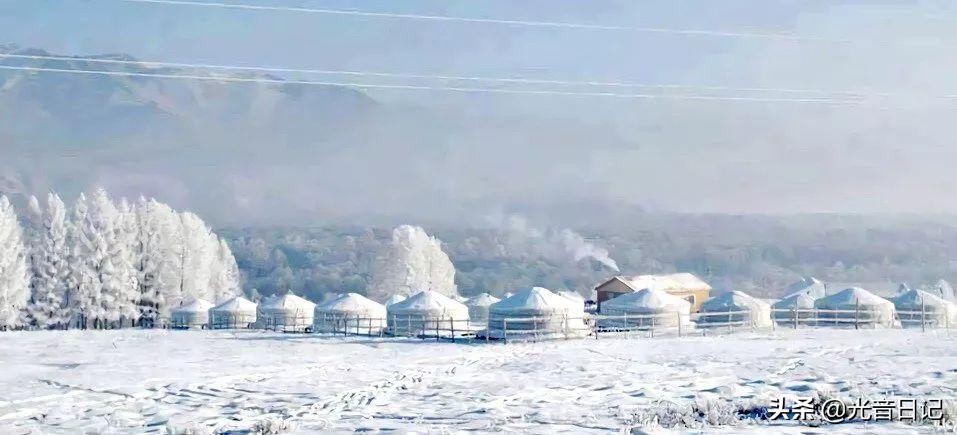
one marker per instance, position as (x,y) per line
(525,23)
(437,77)
(431,88)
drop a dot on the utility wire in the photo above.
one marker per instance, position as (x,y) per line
(509,80)
(432,88)
(525,23)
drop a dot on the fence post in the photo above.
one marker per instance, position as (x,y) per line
(923,327)
(857,313)
(452,326)
(505,331)
(679,323)
(730,322)
(795,314)
(653,316)
(437,328)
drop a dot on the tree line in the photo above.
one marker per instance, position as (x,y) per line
(106,264)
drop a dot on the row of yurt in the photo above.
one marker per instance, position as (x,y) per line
(237,312)
(428,313)
(350,313)
(538,312)
(647,308)
(734,308)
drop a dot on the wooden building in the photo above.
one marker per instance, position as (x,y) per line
(684,285)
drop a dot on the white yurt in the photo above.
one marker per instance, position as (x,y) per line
(192,315)
(794,308)
(914,305)
(856,306)
(428,313)
(538,312)
(350,313)
(668,310)
(394,299)
(746,311)
(237,312)
(289,313)
(478,307)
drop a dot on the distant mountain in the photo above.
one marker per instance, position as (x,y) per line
(88,119)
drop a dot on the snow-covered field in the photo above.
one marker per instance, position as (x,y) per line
(134,381)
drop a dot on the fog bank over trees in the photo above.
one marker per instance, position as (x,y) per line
(757,254)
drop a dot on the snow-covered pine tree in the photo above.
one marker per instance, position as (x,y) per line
(83,282)
(195,257)
(224,273)
(124,259)
(14,279)
(49,263)
(413,261)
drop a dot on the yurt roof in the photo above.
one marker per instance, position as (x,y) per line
(735,300)
(916,298)
(673,281)
(647,298)
(482,300)
(851,296)
(290,301)
(427,301)
(394,299)
(808,285)
(800,299)
(196,306)
(573,296)
(534,299)
(353,303)
(237,303)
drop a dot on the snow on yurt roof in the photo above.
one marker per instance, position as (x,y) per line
(352,303)
(394,299)
(236,304)
(916,298)
(800,299)
(850,297)
(196,306)
(673,281)
(482,300)
(535,299)
(647,299)
(573,296)
(428,301)
(808,285)
(731,301)
(289,301)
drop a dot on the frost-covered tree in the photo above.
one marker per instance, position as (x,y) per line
(124,282)
(196,256)
(224,273)
(412,262)
(49,263)
(945,291)
(156,259)
(14,280)
(103,282)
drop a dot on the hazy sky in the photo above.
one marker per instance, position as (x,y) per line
(892,153)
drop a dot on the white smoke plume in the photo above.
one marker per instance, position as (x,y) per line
(559,244)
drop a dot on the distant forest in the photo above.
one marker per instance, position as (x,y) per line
(760,255)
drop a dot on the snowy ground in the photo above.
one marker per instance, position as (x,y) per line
(135,381)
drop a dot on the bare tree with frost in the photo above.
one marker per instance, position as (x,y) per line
(412,262)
